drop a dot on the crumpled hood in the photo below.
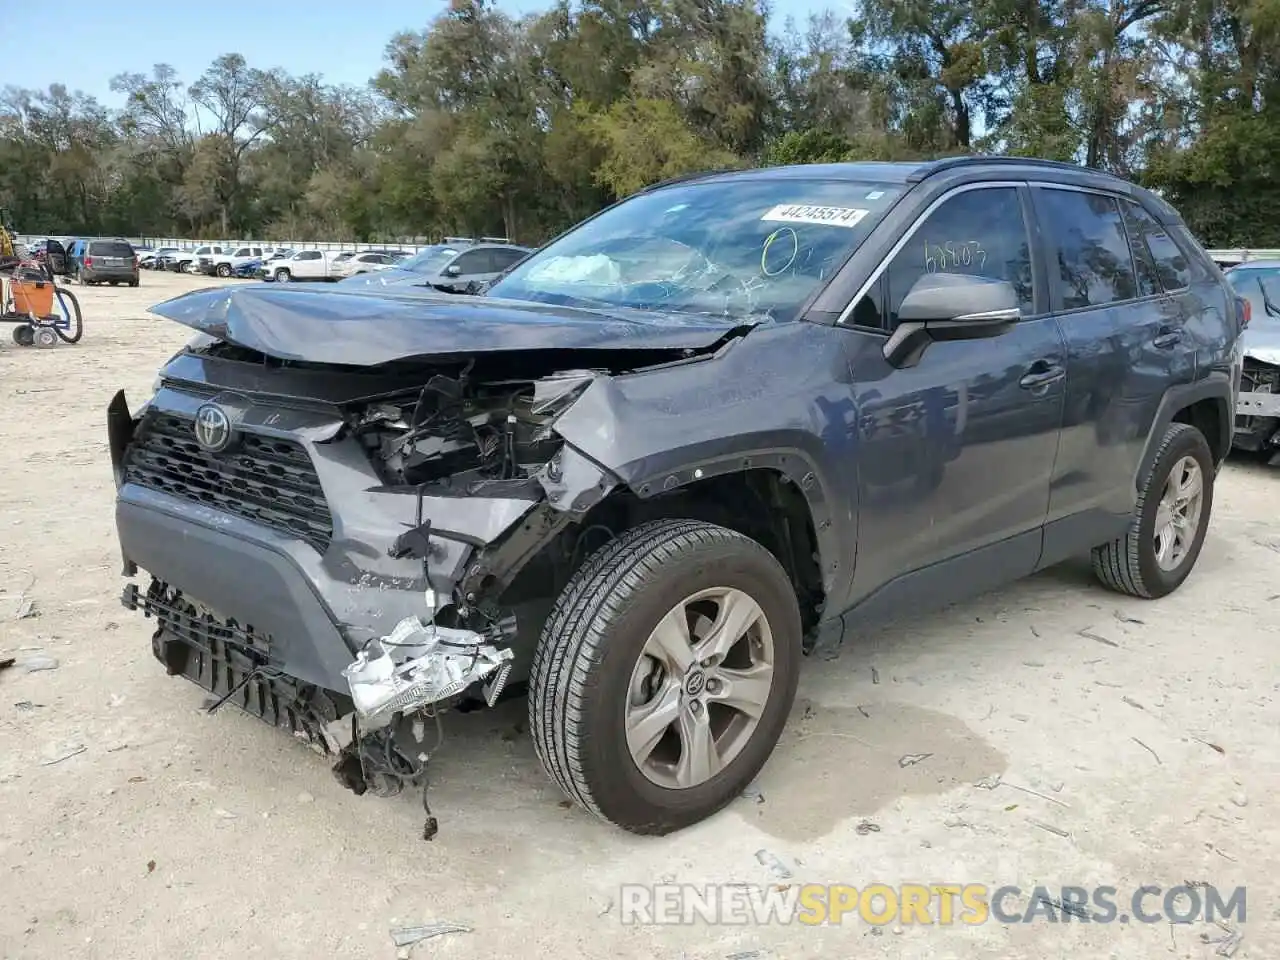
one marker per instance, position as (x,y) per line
(1262,340)
(367,328)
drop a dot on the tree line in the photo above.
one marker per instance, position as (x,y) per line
(481,123)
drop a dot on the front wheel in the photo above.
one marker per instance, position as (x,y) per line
(1169,522)
(665,674)
(282,276)
(224,270)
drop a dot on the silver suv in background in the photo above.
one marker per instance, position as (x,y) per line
(449,267)
(1257,426)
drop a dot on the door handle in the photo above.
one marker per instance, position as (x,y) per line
(1168,337)
(1041,375)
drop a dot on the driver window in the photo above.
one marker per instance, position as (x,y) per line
(978,233)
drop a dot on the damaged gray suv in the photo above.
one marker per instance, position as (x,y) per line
(728,420)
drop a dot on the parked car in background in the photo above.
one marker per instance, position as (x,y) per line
(367,261)
(225,264)
(190,261)
(455,269)
(149,260)
(1257,426)
(302,265)
(104,261)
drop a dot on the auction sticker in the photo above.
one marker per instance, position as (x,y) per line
(806,213)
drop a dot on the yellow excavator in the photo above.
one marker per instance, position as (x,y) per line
(8,239)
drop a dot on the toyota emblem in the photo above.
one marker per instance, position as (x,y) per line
(213,428)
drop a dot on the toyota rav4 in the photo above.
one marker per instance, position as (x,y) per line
(726,421)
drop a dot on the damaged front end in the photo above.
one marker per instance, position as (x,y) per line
(347,550)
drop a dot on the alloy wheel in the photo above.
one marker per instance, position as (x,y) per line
(1178,514)
(699,688)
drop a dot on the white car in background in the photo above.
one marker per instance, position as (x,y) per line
(303,265)
(367,261)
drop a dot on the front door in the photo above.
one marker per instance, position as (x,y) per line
(955,453)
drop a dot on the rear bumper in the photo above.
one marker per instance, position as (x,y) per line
(94,274)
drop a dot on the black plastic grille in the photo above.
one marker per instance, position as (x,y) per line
(233,662)
(267,480)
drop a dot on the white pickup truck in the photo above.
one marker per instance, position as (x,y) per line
(224,264)
(303,265)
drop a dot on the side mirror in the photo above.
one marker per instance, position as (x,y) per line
(453,270)
(950,306)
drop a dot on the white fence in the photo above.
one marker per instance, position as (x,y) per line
(185,243)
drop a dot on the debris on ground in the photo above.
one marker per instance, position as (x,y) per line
(989,783)
(1090,635)
(151,866)
(1239,799)
(57,752)
(1050,827)
(408,936)
(911,759)
(1133,703)
(38,662)
(1071,909)
(26,705)
(1146,748)
(305,797)
(953,822)
(1211,746)
(866,827)
(875,675)
(1227,945)
(775,866)
(753,792)
(225,814)
(747,955)
(1127,619)
(7,662)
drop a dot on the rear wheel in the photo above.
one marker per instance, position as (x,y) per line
(665,674)
(1169,522)
(114,283)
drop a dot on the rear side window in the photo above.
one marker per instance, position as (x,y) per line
(308,255)
(110,248)
(474,261)
(1095,264)
(1171,264)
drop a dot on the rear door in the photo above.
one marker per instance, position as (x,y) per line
(1126,345)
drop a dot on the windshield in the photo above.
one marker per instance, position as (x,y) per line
(1260,287)
(428,260)
(739,249)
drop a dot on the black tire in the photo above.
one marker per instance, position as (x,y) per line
(223,270)
(590,645)
(283,276)
(1128,565)
(133,283)
(114,283)
(76,328)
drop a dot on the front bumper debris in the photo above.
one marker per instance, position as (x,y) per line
(419,664)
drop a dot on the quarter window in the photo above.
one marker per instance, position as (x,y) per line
(1170,263)
(1095,263)
(979,233)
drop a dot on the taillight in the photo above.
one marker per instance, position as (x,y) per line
(88,261)
(1246,312)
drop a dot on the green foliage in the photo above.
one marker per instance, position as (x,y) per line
(481,122)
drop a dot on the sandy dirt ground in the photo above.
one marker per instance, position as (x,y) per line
(1145,733)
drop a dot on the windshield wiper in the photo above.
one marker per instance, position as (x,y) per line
(1268,305)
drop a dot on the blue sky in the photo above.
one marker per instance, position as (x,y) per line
(342,41)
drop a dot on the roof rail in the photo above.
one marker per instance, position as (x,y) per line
(931,167)
(494,240)
(459,240)
(684,178)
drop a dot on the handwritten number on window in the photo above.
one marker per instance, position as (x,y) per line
(954,254)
